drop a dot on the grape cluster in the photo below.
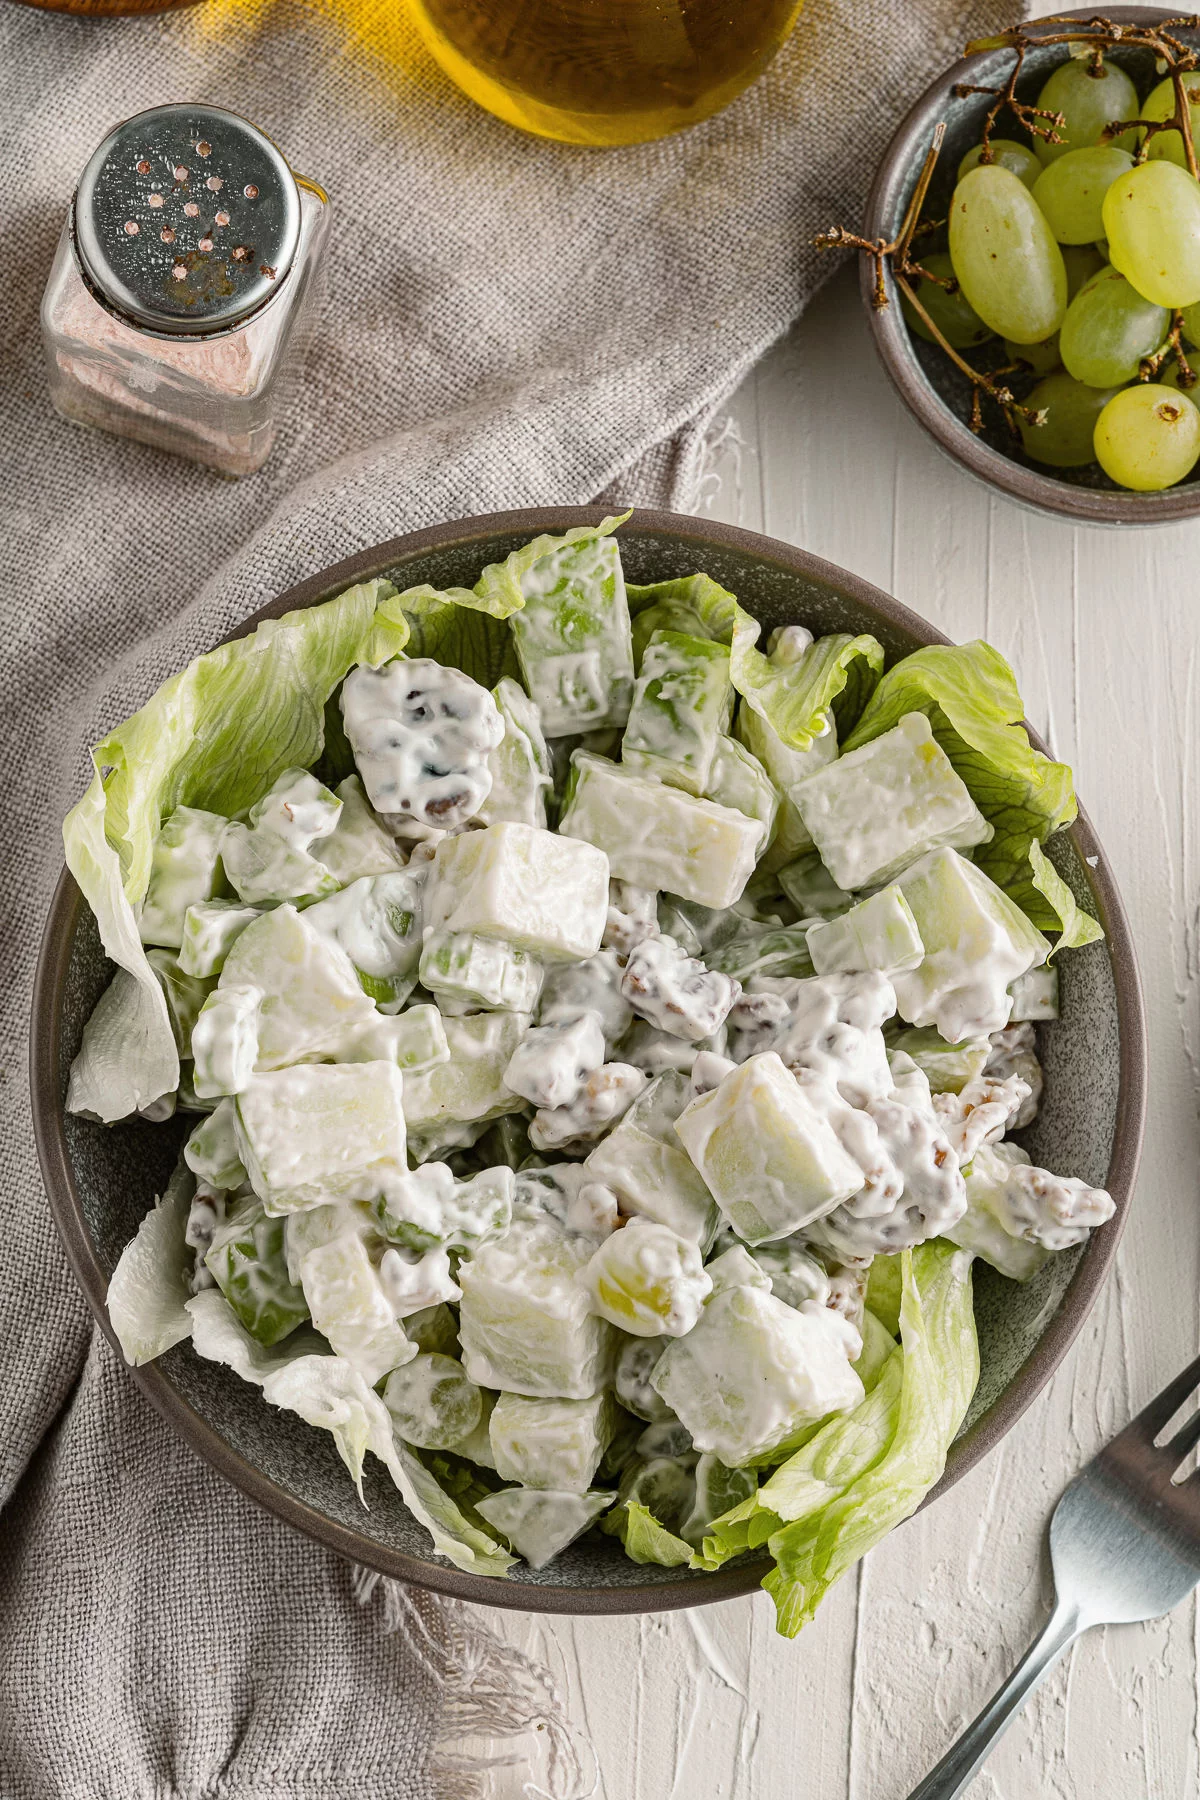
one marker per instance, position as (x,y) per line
(1081,251)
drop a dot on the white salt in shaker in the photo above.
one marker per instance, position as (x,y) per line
(183,286)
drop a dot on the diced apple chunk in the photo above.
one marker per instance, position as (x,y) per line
(349,1307)
(658,837)
(470,1085)
(539,1524)
(541,893)
(879,933)
(644,1164)
(753,1371)
(771,1159)
(551,1443)
(977,941)
(873,812)
(311,996)
(525,1322)
(184,869)
(320,1132)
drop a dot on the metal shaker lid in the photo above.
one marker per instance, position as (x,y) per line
(185,221)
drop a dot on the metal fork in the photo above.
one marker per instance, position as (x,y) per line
(1124,1546)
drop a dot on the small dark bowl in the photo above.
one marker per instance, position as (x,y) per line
(929,383)
(101,1181)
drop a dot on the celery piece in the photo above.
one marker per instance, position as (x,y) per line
(658,837)
(322,1132)
(879,933)
(878,809)
(248,1263)
(737,779)
(185,868)
(541,893)
(549,1442)
(212,1153)
(753,1371)
(769,1156)
(485,972)
(210,930)
(573,636)
(682,702)
(976,942)
(469,1087)
(520,763)
(525,1322)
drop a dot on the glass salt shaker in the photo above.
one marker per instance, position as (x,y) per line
(183,289)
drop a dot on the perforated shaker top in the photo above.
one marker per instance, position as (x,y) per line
(186,220)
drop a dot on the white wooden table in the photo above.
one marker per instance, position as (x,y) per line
(1103,629)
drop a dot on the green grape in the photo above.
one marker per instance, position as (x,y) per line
(1152,222)
(1160,104)
(1071,190)
(1088,103)
(952,313)
(1005,256)
(1081,262)
(1108,329)
(1191,323)
(1065,440)
(1018,158)
(1148,437)
(1041,358)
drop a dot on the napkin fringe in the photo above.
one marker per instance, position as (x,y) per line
(489,1688)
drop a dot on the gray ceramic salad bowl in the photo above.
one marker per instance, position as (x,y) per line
(101,1180)
(937,394)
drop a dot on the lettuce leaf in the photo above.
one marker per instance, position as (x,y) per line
(646,1541)
(498,590)
(938,1367)
(463,628)
(215,735)
(969,694)
(836,675)
(149,1291)
(1050,896)
(324,1390)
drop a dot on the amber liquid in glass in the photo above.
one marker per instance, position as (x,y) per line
(604,71)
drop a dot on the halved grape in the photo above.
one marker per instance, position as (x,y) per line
(1152,221)
(1071,190)
(1108,329)
(1148,437)
(1088,102)
(1019,158)
(1005,256)
(1160,104)
(1081,262)
(1041,358)
(1066,440)
(952,313)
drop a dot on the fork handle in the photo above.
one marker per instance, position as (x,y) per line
(965,1758)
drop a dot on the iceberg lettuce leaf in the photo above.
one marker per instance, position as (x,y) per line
(463,628)
(149,1291)
(1052,906)
(215,736)
(835,676)
(969,694)
(938,1367)
(646,1541)
(499,591)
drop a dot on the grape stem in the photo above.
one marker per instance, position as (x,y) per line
(1151,367)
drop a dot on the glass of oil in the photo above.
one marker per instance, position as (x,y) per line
(604,71)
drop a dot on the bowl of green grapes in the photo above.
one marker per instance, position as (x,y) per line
(1032,265)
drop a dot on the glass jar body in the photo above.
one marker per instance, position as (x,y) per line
(214,399)
(604,71)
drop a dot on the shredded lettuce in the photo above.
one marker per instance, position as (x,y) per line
(301,1376)
(214,736)
(892,1459)
(148,1293)
(969,694)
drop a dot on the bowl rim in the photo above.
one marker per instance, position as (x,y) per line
(893,180)
(48,1112)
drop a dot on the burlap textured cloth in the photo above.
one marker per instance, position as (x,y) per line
(509,323)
